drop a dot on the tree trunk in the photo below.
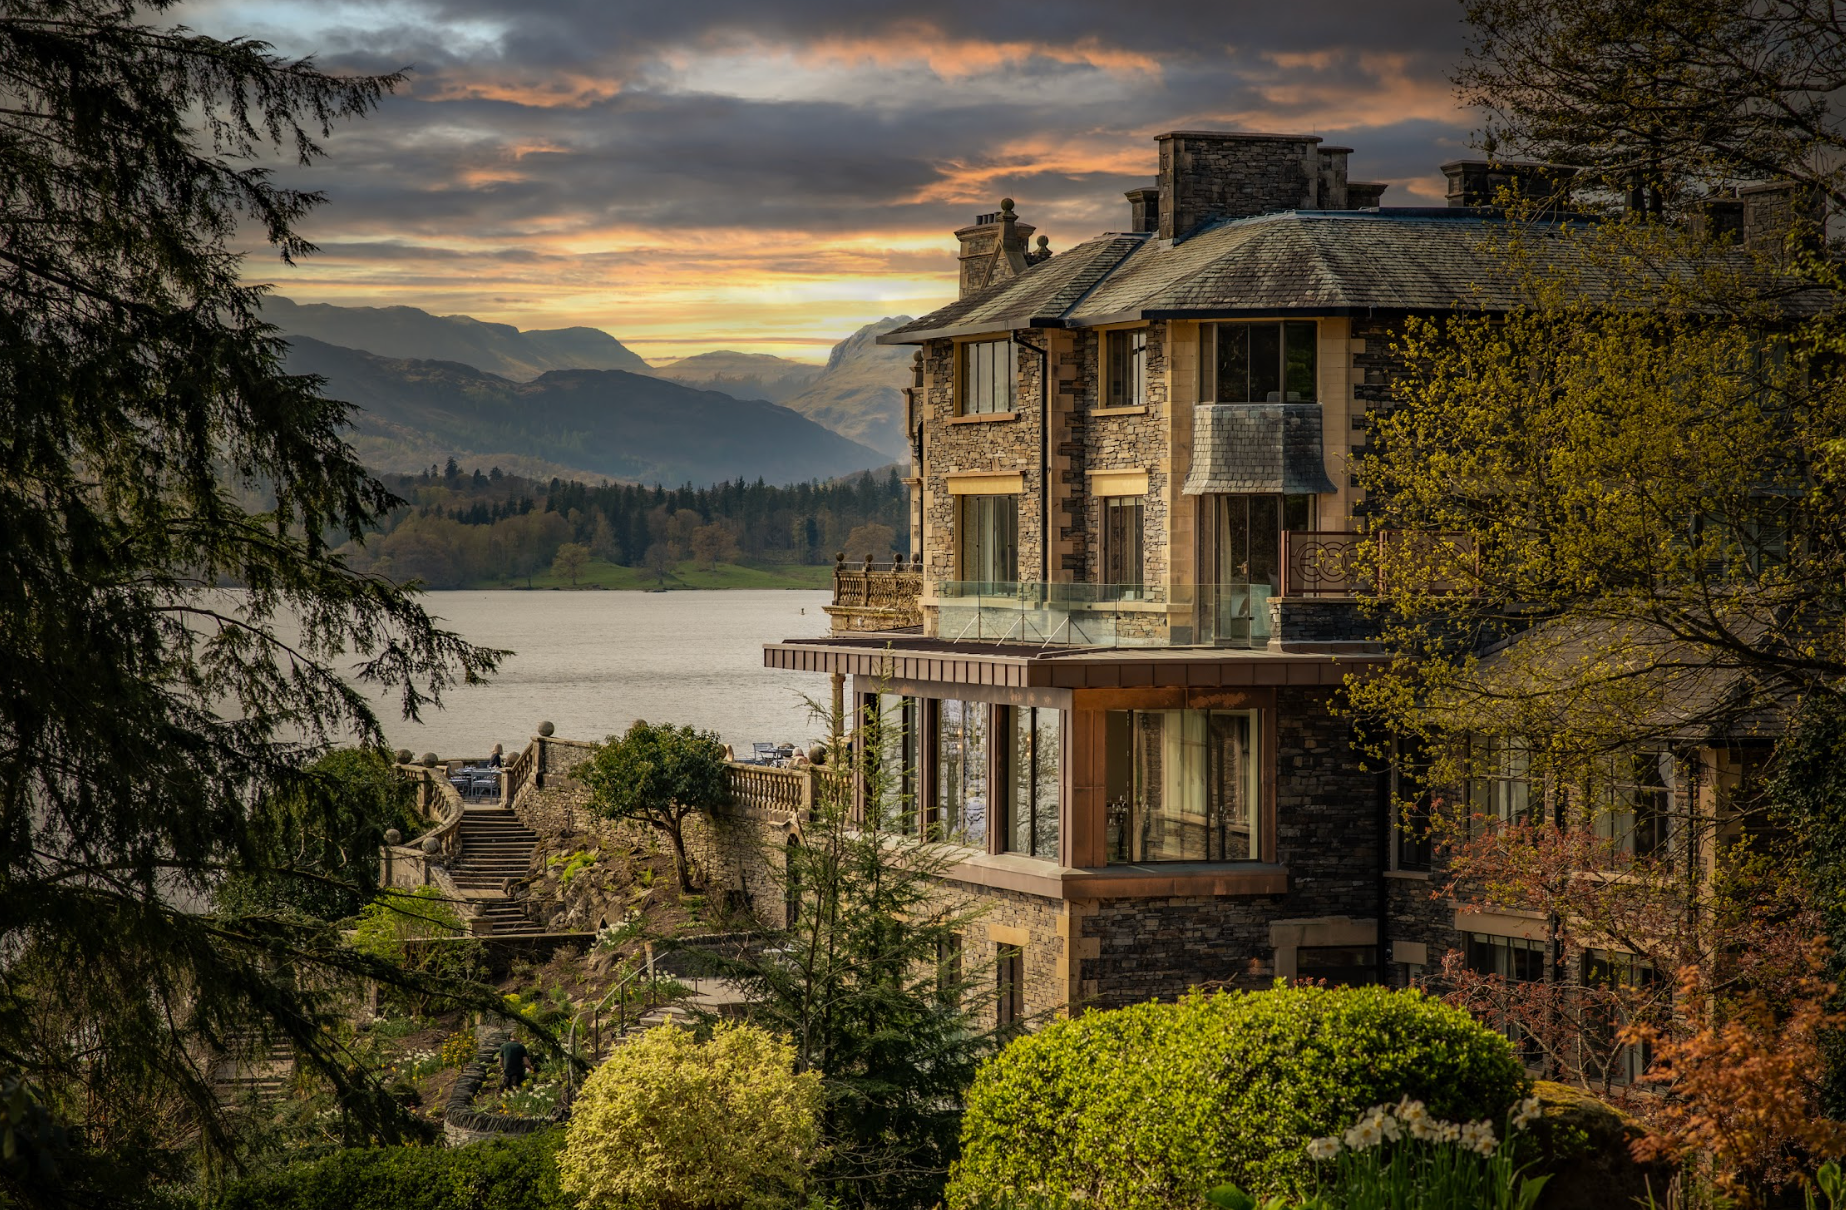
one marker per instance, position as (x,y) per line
(681,866)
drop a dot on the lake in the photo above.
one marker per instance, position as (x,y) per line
(593,662)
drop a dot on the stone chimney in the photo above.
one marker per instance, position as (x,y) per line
(1333,186)
(1773,211)
(1363,195)
(993,248)
(1209,175)
(1144,210)
(1478,182)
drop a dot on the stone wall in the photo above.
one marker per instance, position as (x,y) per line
(979,445)
(1128,441)
(1319,620)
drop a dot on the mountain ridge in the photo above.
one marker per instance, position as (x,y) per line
(411,333)
(612,424)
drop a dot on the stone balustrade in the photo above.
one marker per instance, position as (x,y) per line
(870,595)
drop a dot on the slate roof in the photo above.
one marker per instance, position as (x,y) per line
(1314,262)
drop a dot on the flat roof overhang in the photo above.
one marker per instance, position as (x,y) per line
(908,658)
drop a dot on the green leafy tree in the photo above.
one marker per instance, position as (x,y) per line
(670,1122)
(570,561)
(658,774)
(870,980)
(144,715)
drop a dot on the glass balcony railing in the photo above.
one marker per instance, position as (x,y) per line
(1103,615)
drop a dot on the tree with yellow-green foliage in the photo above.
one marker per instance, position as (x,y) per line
(672,1123)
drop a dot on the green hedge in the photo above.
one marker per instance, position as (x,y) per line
(504,1174)
(1147,1107)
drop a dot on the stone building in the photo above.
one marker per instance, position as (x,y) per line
(1131,514)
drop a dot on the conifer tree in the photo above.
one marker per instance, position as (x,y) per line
(145,711)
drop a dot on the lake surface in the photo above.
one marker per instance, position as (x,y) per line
(593,662)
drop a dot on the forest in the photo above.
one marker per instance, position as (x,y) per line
(467,527)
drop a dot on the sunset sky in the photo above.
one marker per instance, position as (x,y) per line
(767,176)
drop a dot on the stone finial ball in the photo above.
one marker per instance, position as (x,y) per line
(1006,203)
(392,836)
(817,755)
(546,728)
(431,845)
(405,756)
(1044,241)
(427,760)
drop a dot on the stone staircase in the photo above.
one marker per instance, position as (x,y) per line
(493,849)
(262,1075)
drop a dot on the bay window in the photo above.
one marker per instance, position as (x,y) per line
(1183,785)
(1259,362)
(1034,752)
(960,813)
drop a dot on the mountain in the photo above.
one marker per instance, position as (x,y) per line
(858,394)
(596,423)
(406,332)
(743,375)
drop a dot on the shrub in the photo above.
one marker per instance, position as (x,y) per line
(671,1122)
(519,1173)
(1151,1106)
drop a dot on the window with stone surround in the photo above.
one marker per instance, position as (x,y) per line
(1010,980)
(1034,782)
(1630,799)
(1183,785)
(1266,362)
(1125,378)
(962,797)
(988,536)
(1501,785)
(1338,965)
(986,379)
(1413,844)
(1122,522)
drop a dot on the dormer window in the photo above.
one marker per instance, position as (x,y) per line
(1259,363)
(1125,378)
(987,377)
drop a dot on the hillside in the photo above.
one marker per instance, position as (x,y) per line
(858,394)
(742,375)
(406,332)
(604,423)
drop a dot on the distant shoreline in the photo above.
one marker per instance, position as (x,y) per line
(688,576)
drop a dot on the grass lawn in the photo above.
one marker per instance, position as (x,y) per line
(598,574)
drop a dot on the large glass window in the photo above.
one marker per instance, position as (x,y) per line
(1126,379)
(990,539)
(961,772)
(1500,783)
(1121,544)
(1515,960)
(897,738)
(987,377)
(1183,785)
(1631,800)
(1411,795)
(1615,985)
(1259,363)
(1240,560)
(1033,758)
